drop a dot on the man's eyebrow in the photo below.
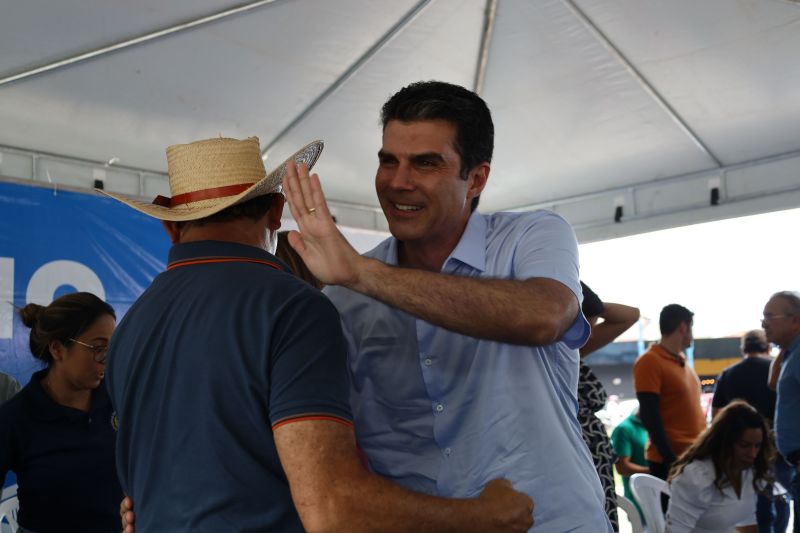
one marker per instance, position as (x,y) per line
(385,155)
(427,156)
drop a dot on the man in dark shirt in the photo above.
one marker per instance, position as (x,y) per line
(229,378)
(748,380)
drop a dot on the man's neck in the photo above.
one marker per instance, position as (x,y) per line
(756,355)
(673,346)
(429,254)
(239,233)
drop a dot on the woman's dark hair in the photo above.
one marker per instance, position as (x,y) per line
(437,100)
(717,443)
(67,317)
(288,255)
(592,304)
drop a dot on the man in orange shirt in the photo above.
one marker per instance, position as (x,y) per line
(669,392)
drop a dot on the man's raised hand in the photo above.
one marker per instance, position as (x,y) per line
(319,242)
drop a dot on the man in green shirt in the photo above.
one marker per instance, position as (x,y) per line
(629,440)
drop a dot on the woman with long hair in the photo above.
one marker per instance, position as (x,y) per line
(713,485)
(58,433)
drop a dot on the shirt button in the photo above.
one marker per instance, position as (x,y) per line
(439,408)
(428,362)
(447,451)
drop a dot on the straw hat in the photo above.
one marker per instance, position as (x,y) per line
(207,176)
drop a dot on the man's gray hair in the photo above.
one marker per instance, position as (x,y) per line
(790,297)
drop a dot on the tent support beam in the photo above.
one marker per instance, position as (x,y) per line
(347,74)
(643,82)
(486,40)
(85,56)
(678,178)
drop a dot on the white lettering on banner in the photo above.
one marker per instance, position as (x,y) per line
(6,297)
(52,275)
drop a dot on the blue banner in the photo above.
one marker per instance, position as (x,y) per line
(53,242)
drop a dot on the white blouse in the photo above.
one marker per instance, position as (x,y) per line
(697,506)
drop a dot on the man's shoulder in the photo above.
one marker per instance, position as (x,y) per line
(649,358)
(505,221)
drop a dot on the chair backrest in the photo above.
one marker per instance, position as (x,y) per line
(631,512)
(647,490)
(8,513)
(8,492)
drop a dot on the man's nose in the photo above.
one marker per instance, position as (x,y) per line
(402,178)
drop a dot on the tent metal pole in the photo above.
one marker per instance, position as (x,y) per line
(643,82)
(486,41)
(132,42)
(347,74)
(677,178)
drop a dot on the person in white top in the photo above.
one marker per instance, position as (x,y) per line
(713,485)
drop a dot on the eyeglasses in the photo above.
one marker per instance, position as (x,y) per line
(768,317)
(100,352)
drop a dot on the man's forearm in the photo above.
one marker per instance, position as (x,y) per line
(529,312)
(389,508)
(650,415)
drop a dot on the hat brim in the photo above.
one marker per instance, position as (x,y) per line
(269,184)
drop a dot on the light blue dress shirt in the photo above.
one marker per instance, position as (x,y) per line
(443,413)
(787,408)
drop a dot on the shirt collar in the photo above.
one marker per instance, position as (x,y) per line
(663,352)
(794,346)
(48,409)
(219,249)
(470,250)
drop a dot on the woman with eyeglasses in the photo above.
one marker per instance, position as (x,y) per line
(713,485)
(58,433)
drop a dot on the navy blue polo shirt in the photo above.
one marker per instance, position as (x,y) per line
(220,349)
(64,461)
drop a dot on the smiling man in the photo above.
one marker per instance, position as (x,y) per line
(462,328)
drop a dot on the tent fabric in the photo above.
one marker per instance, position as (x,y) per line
(598,104)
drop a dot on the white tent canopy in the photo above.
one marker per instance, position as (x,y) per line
(648,106)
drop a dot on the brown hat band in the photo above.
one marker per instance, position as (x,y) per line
(202,194)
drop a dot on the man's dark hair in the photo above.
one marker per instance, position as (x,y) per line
(672,316)
(253,209)
(437,100)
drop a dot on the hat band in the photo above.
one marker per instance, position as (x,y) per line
(202,194)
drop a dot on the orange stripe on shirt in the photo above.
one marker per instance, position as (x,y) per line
(223,260)
(312,417)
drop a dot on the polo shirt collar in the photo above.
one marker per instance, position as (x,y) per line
(662,352)
(219,249)
(47,409)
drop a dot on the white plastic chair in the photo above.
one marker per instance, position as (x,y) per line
(647,490)
(8,492)
(8,515)
(631,512)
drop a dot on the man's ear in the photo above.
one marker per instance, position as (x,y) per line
(476,181)
(276,212)
(172,230)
